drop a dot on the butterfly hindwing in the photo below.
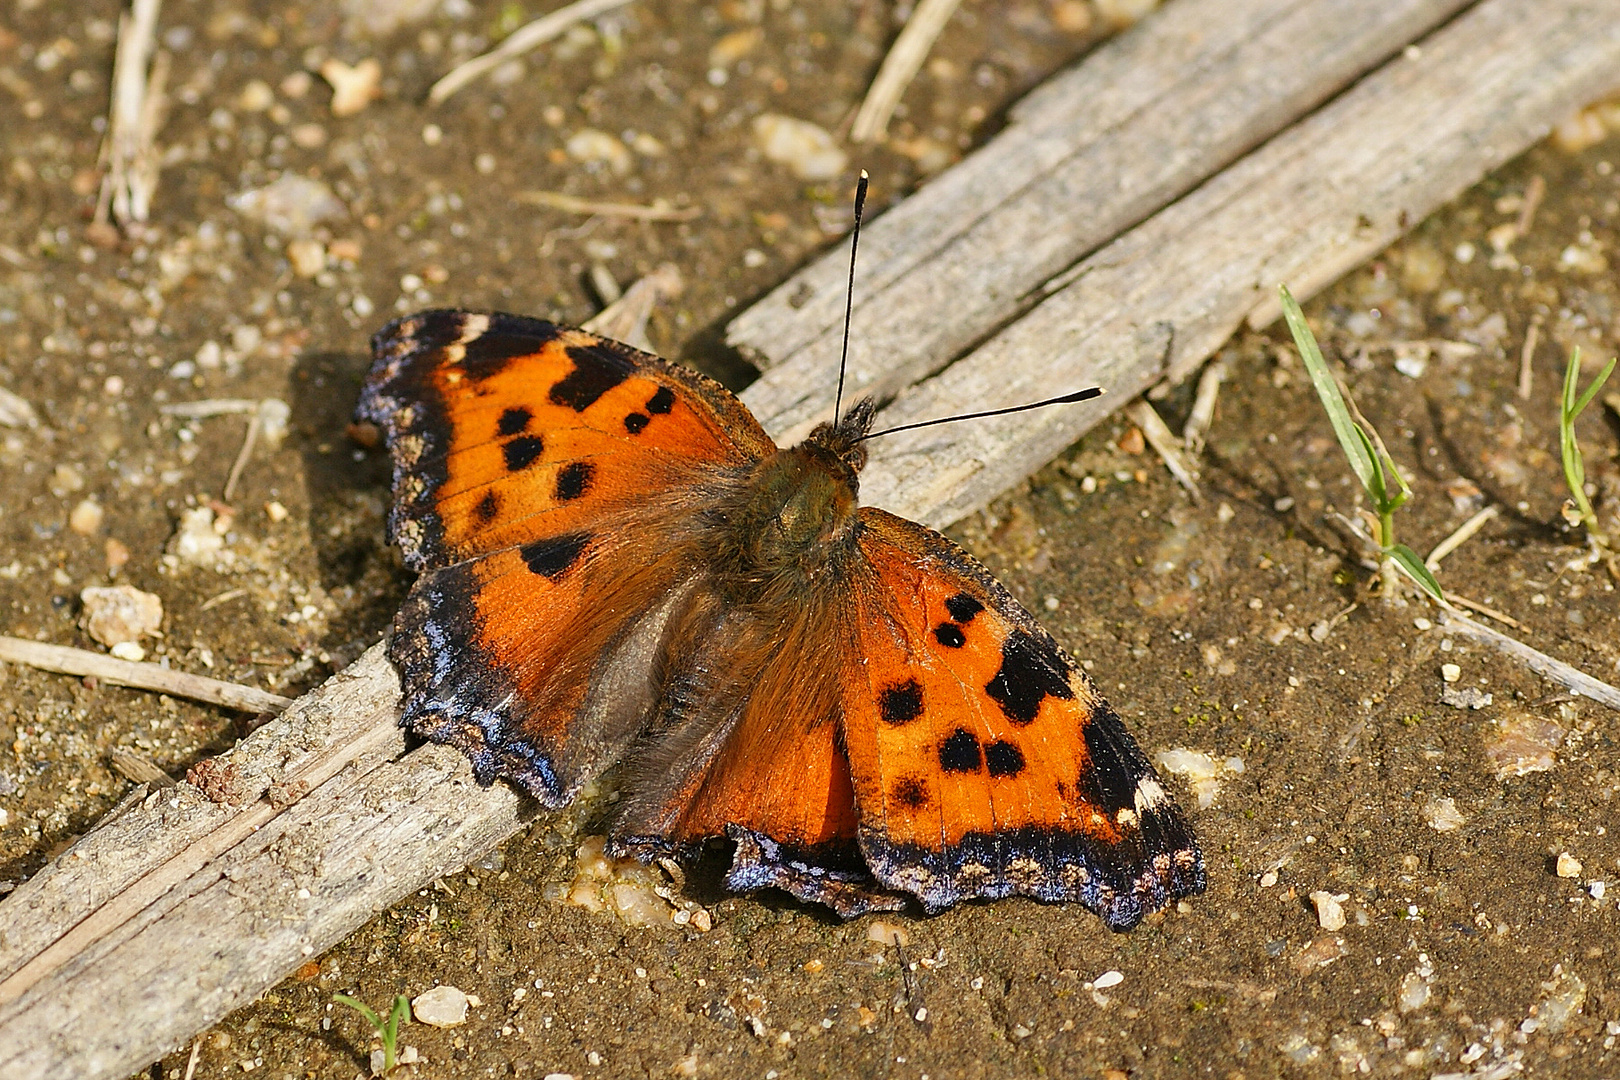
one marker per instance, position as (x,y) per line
(985,762)
(546,482)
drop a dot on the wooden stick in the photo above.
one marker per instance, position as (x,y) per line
(141,676)
(1305,207)
(1164,443)
(128,154)
(1202,414)
(1473,605)
(520,41)
(899,67)
(1526,373)
(1461,536)
(1572,679)
(573,204)
(1146,118)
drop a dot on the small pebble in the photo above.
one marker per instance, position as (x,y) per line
(256,96)
(86,518)
(353,88)
(128,650)
(1568,865)
(441,1007)
(589,146)
(1329,909)
(307,257)
(1108,979)
(120,613)
(808,151)
(1442,815)
(1450,672)
(887,932)
(292,205)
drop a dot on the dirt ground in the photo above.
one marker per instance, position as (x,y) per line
(1479,906)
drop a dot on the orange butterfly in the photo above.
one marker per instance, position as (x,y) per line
(618,563)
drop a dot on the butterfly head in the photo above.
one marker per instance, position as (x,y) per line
(845,438)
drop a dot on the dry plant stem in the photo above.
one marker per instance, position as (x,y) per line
(1165,443)
(1202,414)
(520,41)
(140,676)
(1526,374)
(1474,605)
(1462,535)
(1534,192)
(242,457)
(626,318)
(573,204)
(1571,679)
(899,67)
(128,153)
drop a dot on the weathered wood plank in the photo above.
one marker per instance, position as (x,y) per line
(1091,153)
(1313,202)
(335,825)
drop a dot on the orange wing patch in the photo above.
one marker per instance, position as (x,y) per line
(506,429)
(985,763)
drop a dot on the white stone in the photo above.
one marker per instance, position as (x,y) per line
(1329,909)
(441,1007)
(808,151)
(1568,865)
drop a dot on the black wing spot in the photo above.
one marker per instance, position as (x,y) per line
(963,607)
(1112,767)
(488,354)
(513,421)
(662,401)
(901,703)
(911,792)
(1004,758)
(960,752)
(487,508)
(594,374)
(1031,671)
(636,423)
(574,480)
(950,635)
(554,555)
(522,451)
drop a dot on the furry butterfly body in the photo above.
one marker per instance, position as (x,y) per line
(617,563)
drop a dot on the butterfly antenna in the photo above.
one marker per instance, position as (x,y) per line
(849,298)
(1066,399)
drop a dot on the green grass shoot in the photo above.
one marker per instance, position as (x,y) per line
(387,1030)
(1379,477)
(1573,403)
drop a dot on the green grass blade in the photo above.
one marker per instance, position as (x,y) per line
(1412,565)
(1344,426)
(1597,384)
(363,1009)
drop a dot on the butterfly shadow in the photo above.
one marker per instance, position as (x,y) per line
(346,476)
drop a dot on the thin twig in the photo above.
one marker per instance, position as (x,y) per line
(139,768)
(196,1052)
(626,318)
(242,456)
(197,410)
(520,41)
(658,210)
(1571,679)
(1490,612)
(1461,536)
(141,676)
(1203,408)
(899,67)
(1529,350)
(128,153)
(1164,442)
(1534,192)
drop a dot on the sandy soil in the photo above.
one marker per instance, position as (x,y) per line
(1241,627)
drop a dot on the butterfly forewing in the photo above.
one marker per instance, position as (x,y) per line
(547,482)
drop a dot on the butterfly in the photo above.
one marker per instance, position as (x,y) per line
(617,564)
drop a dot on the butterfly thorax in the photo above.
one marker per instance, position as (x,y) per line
(796,515)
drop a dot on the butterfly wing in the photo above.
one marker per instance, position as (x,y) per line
(984,762)
(548,484)
(746,745)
